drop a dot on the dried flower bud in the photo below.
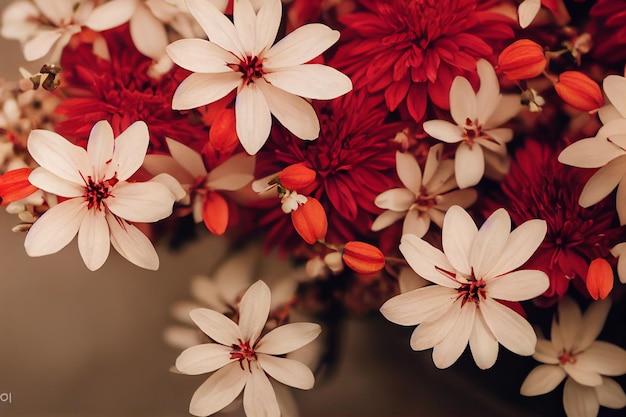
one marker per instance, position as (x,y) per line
(296,176)
(521,60)
(14,185)
(599,279)
(310,221)
(579,91)
(363,258)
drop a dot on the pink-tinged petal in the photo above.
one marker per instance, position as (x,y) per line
(216,25)
(148,33)
(608,113)
(187,157)
(614,87)
(300,46)
(293,112)
(144,202)
(130,150)
(469,165)
(201,359)
(313,81)
(463,104)
(518,285)
(63,10)
(156,164)
(53,152)
(592,324)
(508,107)
(94,242)
(579,400)
(545,352)
(446,352)
(38,46)
(133,245)
(386,219)
(254,308)
(488,95)
(589,153)
(463,198)
(611,394)
(483,343)
(267,25)
(428,261)
(219,390)
(259,399)
(430,333)
(55,228)
(497,138)
(111,14)
(253,118)
(199,55)
(244,19)
(527,10)
(588,377)
(199,89)
(489,242)
(409,172)
(172,184)
(458,235)
(444,131)
(520,246)
(18,22)
(542,380)
(217,326)
(619,251)
(569,322)
(287,338)
(100,149)
(603,358)
(233,174)
(512,330)
(603,182)
(420,305)
(47,181)
(287,371)
(396,199)
(416,223)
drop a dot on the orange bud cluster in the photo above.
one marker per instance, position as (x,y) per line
(599,279)
(363,258)
(579,91)
(522,60)
(310,221)
(14,185)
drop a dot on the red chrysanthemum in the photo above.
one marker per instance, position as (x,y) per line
(120,91)
(608,32)
(539,187)
(413,49)
(354,161)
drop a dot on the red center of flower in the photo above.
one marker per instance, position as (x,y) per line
(423,202)
(473,291)
(472,131)
(243,351)
(251,68)
(95,192)
(567,357)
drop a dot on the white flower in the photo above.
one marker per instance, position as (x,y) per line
(268,78)
(575,354)
(99,203)
(242,361)
(471,274)
(606,150)
(426,197)
(477,116)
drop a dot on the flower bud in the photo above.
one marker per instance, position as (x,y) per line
(310,221)
(363,258)
(223,133)
(521,60)
(599,279)
(14,185)
(215,213)
(296,176)
(579,91)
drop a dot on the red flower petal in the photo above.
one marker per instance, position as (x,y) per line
(599,279)
(14,185)
(215,213)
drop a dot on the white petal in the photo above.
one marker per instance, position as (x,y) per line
(287,338)
(397,199)
(430,333)
(38,46)
(244,19)
(259,399)
(527,10)
(512,330)
(489,242)
(141,201)
(148,33)
(610,394)
(584,376)
(614,87)
(469,165)
(458,235)
(446,352)
(603,358)
(287,371)
(545,352)
(569,321)
(603,182)
(542,380)
(217,326)
(483,343)
(130,150)
(434,165)
(386,219)
(508,106)
(620,201)
(204,358)
(443,130)
(172,185)
(463,104)
(589,153)
(156,164)
(218,28)
(233,174)
(100,149)
(219,390)
(199,55)
(313,81)
(416,223)
(111,14)
(132,244)
(207,292)
(410,172)
(55,228)
(94,242)
(592,323)
(428,261)
(53,152)
(267,25)
(300,46)
(188,158)
(47,181)
(488,95)
(254,308)
(579,400)
(420,305)
(518,285)
(520,246)
(199,89)
(253,118)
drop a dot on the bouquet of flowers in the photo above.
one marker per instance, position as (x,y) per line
(449,164)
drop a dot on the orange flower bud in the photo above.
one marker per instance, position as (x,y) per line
(363,258)
(599,279)
(310,221)
(14,185)
(223,133)
(521,60)
(215,213)
(579,91)
(296,176)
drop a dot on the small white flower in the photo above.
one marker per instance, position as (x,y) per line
(269,79)
(471,274)
(575,354)
(477,117)
(99,203)
(242,360)
(291,201)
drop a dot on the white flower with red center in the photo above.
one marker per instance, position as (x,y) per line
(426,197)
(575,354)
(242,360)
(477,117)
(268,79)
(474,271)
(99,202)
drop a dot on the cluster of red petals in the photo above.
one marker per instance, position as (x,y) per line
(539,187)
(412,50)
(608,32)
(120,91)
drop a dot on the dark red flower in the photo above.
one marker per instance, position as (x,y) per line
(412,50)
(608,32)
